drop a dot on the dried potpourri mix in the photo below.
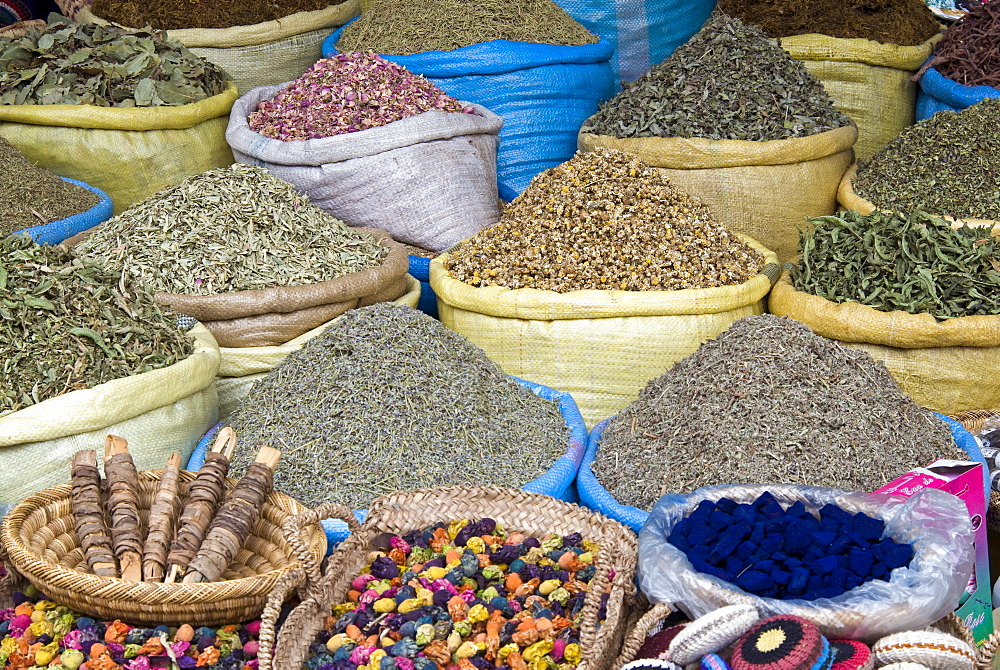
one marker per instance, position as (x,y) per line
(604,220)
(107,66)
(231,229)
(465,594)
(728,82)
(178,14)
(970,50)
(68,324)
(348,93)
(768,402)
(945,164)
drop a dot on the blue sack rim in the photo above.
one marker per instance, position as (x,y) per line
(950,92)
(55,232)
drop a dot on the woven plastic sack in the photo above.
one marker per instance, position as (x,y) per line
(557,482)
(868,80)
(762,189)
(129,153)
(936,523)
(429,180)
(600,346)
(420,268)
(266,53)
(158,412)
(938,93)
(543,92)
(56,232)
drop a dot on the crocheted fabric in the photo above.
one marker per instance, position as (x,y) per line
(930,648)
(780,643)
(851,655)
(657,644)
(651,664)
(904,666)
(712,632)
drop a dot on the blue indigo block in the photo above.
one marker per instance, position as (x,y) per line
(771,544)
(764,566)
(725,545)
(745,549)
(825,565)
(719,520)
(795,543)
(826,592)
(797,508)
(724,575)
(678,541)
(727,505)
(838,578)
(781,577)
(834,512)
(772,510)
(867,527)
(860,562)
(823,538)
(798,581)
(701,536)
(775,526)
(734,565)
(754,581)
(758,533)
(897,556)
(814,583)
(702,511)
(853,582)
(746,513)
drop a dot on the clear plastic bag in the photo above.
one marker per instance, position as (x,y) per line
(936,524)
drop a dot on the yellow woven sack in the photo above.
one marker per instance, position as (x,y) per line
(267,53)
(158,412)
(764,190)
(127,152)
(868,80)
(601,347)
(242,366)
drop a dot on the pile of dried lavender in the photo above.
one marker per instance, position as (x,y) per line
(768,402)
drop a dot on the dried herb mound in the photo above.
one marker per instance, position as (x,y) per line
(605,220)
(69,324)
(348,93)
(903,22)
(728,82)
(389,399)
(945,164)
(88,64)
(768,402)
(178,14)
(915,262)
(970,50)
(231,229)
(33,196)
(413,26)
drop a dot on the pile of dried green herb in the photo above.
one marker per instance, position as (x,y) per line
(945,164)
(67,324)
(913,262)
(903,22)
(388,399)
(178,14)
(604,220)
(231,229)
(768,402)
(413,26)
(33,196)
(728,82)
(88,64)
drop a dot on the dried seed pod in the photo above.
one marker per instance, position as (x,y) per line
(88,514)
(162,522)
(204,495)
(127,532)
(232,525)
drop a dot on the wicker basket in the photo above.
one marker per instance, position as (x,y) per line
(41,544)
(21,28)
(529,513)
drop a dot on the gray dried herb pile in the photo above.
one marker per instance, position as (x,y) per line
(768,402)
(604,220)
(946,164)
(387,399)
(728,82)
(231,229)
(67,324)
(89,64)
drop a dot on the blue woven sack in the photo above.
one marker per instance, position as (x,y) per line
(938,93)
(557,482)
(543,92)
(420,269)
(59,231)
(594,496)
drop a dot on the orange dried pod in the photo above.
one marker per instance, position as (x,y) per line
(484,560)
(103,662)
(457,608)
(116,632)
(515,538)
(438,652)
(465,664)
(97,649)
(525,638)
(354,633)
(24,608)
(452,556)
(527,588)
(397,556)
(439,539)
(353,595)
(153,647)
(208,656)
(543,625)
(561,622)
(515,661)
(512,581)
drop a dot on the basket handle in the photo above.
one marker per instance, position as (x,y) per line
(638,633)
(288,582)
(293,533)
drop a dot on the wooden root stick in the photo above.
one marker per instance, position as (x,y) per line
(235,520)
(162,519)
(127,533)
(205,494)
(88,515)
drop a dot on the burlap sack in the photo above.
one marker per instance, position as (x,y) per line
(601,347)
(762,189)
(868,80)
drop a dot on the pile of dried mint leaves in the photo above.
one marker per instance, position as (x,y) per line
(768,402)
(89,64)
(231,229)
(178,14)
(728,82)
(386,399)
(413,26)
(33,196)
(67,324)
(604,220)
(912,262)
(945,164)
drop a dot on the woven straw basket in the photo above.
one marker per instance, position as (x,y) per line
(41,544)
(529,513)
